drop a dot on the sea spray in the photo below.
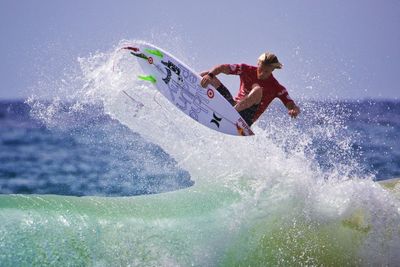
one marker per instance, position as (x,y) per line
(294,194)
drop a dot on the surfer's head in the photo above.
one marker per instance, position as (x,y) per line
(267,62)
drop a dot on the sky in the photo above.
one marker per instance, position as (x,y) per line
(330,49)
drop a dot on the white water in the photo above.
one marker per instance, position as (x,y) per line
(287,206)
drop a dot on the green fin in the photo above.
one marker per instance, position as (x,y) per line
(148,78)
(155,52)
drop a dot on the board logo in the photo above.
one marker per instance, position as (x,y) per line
(216,120)
(150,60)
(210,93)
(172,67)
(168,78)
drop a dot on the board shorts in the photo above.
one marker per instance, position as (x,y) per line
(247,114)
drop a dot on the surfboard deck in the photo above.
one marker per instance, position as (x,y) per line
(181,86)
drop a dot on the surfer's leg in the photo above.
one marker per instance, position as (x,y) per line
(253,98)
(225,93)
(248,114)
(216,83)
(248,107)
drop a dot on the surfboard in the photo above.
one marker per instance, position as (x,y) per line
(181,86)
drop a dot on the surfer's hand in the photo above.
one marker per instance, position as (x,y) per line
(205,80)
(204,73)
(294,112)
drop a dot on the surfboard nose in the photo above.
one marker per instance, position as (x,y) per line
(135,49)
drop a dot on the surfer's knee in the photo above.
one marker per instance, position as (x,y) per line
(256,94)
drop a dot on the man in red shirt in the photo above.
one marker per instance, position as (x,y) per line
(258,87)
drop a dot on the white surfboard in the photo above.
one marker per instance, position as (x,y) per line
(181,86)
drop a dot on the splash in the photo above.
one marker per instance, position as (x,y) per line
(294,193)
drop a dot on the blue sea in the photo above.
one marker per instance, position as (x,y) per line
(91,177)
(91,155)
(95,155)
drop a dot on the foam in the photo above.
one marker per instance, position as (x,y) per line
(276,204)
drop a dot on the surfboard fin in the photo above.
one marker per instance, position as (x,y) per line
(155,52)
(148,78)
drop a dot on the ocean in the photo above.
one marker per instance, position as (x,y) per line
(94,178)
(59,160)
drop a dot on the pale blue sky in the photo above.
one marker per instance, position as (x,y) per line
(344,49)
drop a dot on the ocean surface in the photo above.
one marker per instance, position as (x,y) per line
(90,155)
(90,177)
(95,155)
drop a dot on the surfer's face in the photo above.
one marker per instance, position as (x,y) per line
(264,71)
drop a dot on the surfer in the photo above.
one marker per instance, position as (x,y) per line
(258,87)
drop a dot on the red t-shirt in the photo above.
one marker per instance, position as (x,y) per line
(271,87)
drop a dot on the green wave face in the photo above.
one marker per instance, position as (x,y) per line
(196,226)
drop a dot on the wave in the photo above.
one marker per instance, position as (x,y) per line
(263,200)
(351,223)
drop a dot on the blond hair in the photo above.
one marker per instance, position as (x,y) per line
(270,59)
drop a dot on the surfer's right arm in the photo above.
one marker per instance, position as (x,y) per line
(208,76)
